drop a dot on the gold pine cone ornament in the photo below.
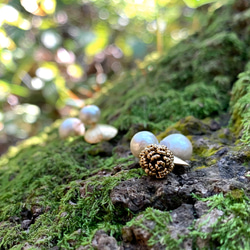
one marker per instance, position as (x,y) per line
(157,160)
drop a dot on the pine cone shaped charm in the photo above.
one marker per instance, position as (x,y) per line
(157,160)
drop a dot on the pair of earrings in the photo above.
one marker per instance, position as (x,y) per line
(89,115)
(158,159)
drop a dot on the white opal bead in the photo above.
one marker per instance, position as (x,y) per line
(71,127)
(100,132)
(90,114)
(141,140)
(180,145)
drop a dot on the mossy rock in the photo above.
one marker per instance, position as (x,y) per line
(68,194)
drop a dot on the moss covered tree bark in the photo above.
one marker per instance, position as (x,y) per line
(68,194)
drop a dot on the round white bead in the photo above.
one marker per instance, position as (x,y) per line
(100,132)
(71,127)
(180,145)
(90,114)
(141,140)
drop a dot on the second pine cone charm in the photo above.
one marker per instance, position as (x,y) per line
(157,160)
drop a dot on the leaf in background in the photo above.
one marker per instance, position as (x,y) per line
(24,67)
(9,88)
(39,8)
(101,40)
(197,3)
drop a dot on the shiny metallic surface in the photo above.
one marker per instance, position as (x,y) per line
(71,127)
(180,145)
(100,132)
(178,161)
(90,114)
(156,160)
(141,140)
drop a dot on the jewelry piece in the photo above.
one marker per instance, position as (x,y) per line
(156,159)
(180,145)
(71,127)
(90,114)
(178,161)
(141,140)
(100,132)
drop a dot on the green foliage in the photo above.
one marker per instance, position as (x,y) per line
(7,88)
(231,230)
(197,3)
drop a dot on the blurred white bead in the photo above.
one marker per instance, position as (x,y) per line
(90,114)
(100,132)
(141,140)
(180,145)
(71,127)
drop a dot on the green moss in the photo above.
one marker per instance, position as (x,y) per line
(50,178)
(9,233)
(70,181)
(211,162)
(193,79)
(231,230)
(240,106)
(159,233)
(204,151)
(199,168)
(209,152)
(158,107)
(186,126)
(72,218)
(93,210)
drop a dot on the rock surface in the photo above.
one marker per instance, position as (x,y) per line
(102,241)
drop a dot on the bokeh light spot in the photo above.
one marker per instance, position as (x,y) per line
(75,71)
(64,56)
(12,100)
(37,83)
(45,73)
(4,41)
(104,14)
(49,6)
(50,39)
(61,17)
(30,6)
(9,14)
(101,78)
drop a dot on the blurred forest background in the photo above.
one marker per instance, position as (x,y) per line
(54,54)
